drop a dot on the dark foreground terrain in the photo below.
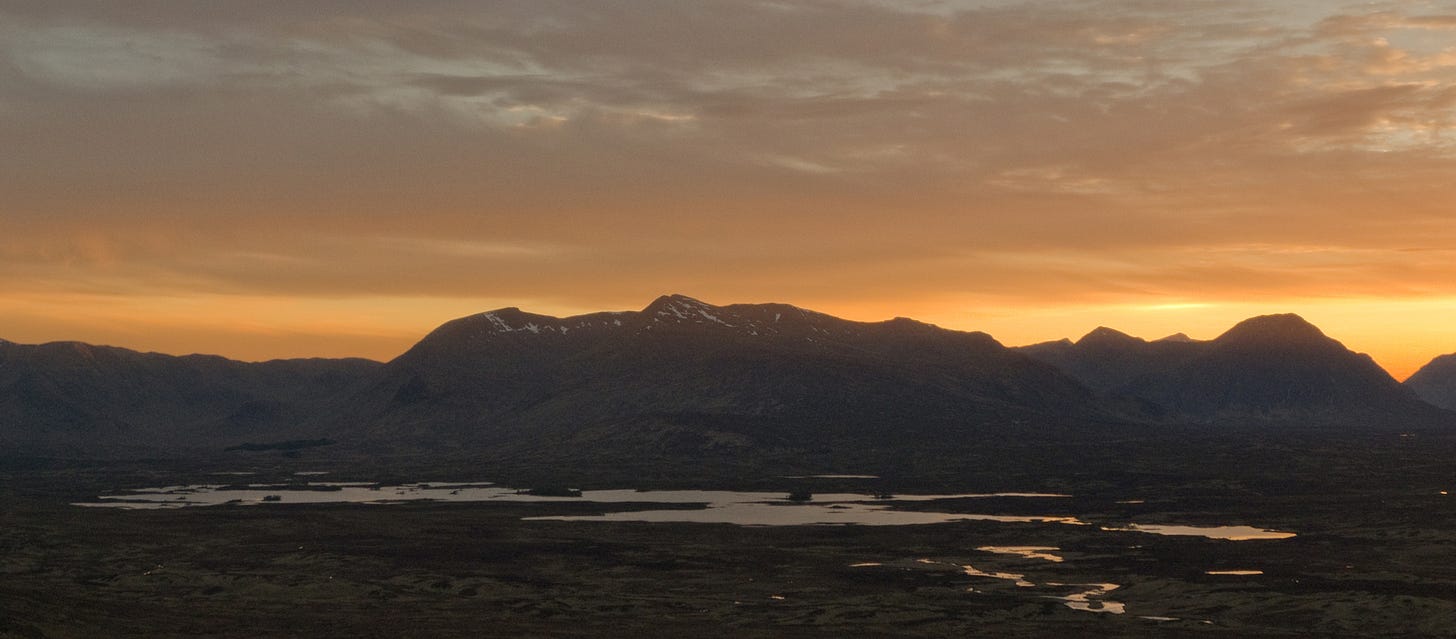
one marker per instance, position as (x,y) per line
(1373,555)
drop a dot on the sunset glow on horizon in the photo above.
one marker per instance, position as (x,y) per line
(338,178)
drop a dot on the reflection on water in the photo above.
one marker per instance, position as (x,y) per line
(831,510)
(1206,622)
(1234,572)
(1029,552)
(841,505)
(1090,597)
(713,506)
(1234,533)
(1018,579)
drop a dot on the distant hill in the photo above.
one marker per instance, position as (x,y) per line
(1107,360)
(1436,382)
(74,398)
(1274,368)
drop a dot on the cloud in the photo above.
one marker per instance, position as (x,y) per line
(596,154)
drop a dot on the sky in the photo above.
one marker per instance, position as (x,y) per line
(266,179)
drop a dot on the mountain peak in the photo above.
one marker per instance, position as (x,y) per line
(512,324)
(679,309)
(1106,336)
(1282,329)
(907,321)
(512,319)
(679,297)
(1181,338)
(678,301)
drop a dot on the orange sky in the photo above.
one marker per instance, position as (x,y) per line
(337,178)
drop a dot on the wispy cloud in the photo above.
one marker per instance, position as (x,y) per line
(599,153)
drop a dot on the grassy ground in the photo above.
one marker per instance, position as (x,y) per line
(1372,559)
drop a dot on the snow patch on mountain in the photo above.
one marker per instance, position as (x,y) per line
(751,320)
(511,320)
(680,308)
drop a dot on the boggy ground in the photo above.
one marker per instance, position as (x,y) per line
(1371,559)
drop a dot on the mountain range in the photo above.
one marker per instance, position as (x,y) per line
(683,376)
(1272,368)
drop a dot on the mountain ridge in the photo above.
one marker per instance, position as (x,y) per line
(1268,368)
(682,363)
(681,376)
(72,397)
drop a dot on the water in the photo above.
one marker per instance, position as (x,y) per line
(1015,578)
(1083,597)
(1030,552)
(1022,569)
(1092,599)
(1232,533)
(827,513)
(373,493)
(714,506)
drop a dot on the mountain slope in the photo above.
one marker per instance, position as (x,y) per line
(680,369)
(1107,360)
(1282,368)
(69,397)
(1272,368)
(1436,382)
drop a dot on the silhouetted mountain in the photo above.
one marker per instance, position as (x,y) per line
(1436,382)
(682,373)
(1106,360)
(684,377)
(1282,368)
(69,397)
(1270,368)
